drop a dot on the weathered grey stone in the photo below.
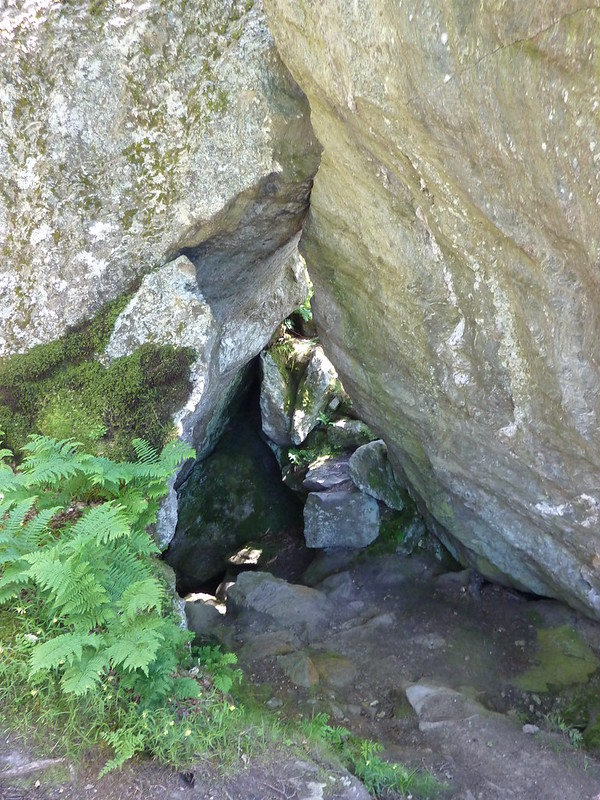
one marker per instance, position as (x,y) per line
(282,367)
(264,645)
(315,390)
(308,667)
(326,473)
(169,308)
(203,618)
(372,473)
(276,401)
(453,246)
(299,668)
(287,604)
(131,135)
(342,518)
(339,587)
(348,434)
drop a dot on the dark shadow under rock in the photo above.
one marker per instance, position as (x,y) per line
(233,497)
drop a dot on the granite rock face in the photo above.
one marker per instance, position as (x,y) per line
(372,473)
(453,243)
(133,133)
(341,517)
(162,150)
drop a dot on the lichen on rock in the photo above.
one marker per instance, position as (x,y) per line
(127,129)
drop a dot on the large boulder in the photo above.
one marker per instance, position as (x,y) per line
(453,243)
(373,474)
(342,517)
(285,605)
(128,136)
(282,367)
(317,387)
(163,152)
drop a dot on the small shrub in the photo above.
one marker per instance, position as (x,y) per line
(360,756)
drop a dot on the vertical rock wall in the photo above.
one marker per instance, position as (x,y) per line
(453,242)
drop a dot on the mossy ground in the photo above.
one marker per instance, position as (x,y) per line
(563,659)
(61,389)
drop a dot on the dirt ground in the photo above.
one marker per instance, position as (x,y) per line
(435,666)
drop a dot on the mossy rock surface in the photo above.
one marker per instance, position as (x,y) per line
(62,390)
(562,657)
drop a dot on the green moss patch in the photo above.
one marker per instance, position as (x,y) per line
(60,389)
(563,659)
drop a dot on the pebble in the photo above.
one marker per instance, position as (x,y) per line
(530,729)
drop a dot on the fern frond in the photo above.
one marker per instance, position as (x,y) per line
(9,553)
(104,473)
(14,577)
(125,744)
(186,688)
(134,503)
(72,585)
(45,447)
(143,595)
(136,646)
(145,452)
(175,453)
(64,648)
(87,600)
(32,532)
(172,456)
(46,568)
(84,674)
(103,523)
(44,473)
(123,569)
(15,516)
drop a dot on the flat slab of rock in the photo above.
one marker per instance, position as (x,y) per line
(287,604)
(372,473)
(275,401)
(271,643)
(327,474)
(510,763)
(307,668)
(343,518)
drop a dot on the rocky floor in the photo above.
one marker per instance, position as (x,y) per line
(465,680)
(447,674)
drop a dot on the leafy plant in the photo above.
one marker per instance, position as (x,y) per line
(318,727)
(360,755)
(557,723)
(220,666)
(73,536)
(94,632)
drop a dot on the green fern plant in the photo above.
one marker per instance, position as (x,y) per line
(73,534)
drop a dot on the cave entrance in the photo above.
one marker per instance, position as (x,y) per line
(235,512)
